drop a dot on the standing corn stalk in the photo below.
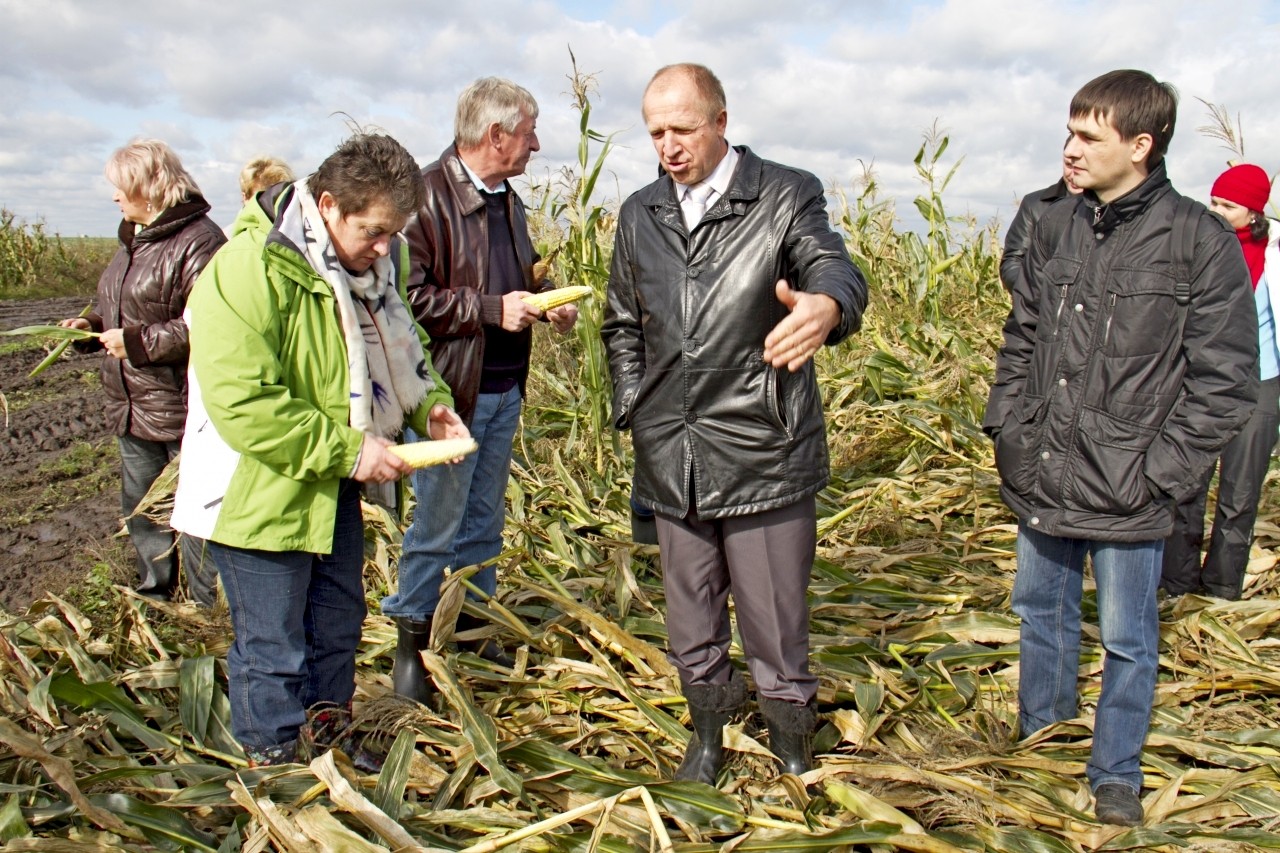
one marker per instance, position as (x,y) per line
(582,258)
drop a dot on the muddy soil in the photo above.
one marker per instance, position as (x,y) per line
(59,468)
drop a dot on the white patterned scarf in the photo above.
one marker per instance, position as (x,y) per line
(388,369)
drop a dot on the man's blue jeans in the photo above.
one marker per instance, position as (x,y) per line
(459,514)
(297,620)
(1046,595)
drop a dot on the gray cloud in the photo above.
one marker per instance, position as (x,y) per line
(825,85)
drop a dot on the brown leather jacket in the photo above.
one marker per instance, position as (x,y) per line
(448,274)
(144,291)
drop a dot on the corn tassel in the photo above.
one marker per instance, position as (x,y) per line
(549,299)
(421,454)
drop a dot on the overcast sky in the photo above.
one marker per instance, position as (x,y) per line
(825,85)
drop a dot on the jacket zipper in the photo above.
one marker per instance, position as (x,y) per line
(1062,301)
(1111,312)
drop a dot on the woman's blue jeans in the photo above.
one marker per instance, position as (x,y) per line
(1046,595)
(297,620)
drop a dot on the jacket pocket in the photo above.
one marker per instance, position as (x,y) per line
(1140,315)
(1111,455)
(1017,440)
(775,399)
(1056,308)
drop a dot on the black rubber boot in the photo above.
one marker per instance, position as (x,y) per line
(710,707)
(790,733)
(486,648)
(408,675)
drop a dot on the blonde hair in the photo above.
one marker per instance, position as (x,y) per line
(489,101)
(149,169)
(262,172)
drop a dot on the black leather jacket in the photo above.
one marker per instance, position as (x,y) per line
(1111,400)
(143,292)
(449,273)
(684,327)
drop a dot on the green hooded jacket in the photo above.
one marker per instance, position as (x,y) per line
(270,375)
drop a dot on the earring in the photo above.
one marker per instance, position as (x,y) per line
(148,207)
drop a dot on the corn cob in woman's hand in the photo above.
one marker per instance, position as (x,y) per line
(421,454)
(548,299)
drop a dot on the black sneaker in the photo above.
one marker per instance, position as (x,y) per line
(1117,804)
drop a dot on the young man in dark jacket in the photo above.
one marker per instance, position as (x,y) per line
(1123,372)
(726,279)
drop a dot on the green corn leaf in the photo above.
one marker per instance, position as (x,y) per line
(12,823)
(477,727)
(54,333)
(156,822)
(195,696)
(394,776)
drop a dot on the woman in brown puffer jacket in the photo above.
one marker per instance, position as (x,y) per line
(166,238)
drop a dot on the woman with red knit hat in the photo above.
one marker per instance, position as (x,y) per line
(1239,195)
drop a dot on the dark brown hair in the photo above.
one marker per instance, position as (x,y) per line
(1259,228)
(366,169)
(1134,103)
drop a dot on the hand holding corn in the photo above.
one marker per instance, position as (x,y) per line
(563,318)
(548,299)
(517,314)
(558,304)
(451,440)
(377,463)
(443,422)
(445,451)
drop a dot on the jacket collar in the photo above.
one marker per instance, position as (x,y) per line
(466,196)
(663,198)
(169,221)
(1106,217)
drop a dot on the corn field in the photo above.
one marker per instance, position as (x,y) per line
(34,262)
(115,727)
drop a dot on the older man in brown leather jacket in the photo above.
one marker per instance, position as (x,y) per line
(472,264)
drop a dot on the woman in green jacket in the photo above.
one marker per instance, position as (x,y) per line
(305,363)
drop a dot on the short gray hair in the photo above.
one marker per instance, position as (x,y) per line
(490,101)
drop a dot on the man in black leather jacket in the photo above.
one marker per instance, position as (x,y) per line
(726,279)
(1128,362)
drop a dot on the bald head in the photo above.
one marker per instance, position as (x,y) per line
(710,94)
(685,116)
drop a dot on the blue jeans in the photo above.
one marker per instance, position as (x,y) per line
(297,620)
(1046,595)
(141,462)
(460,510)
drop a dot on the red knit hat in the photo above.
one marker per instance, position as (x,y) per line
(1246,185)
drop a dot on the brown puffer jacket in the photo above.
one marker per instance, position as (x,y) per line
(144,291)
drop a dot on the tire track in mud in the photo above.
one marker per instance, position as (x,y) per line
(59,498)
